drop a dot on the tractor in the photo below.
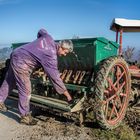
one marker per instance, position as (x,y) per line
(95,74)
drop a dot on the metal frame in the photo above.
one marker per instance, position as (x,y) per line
(124,25)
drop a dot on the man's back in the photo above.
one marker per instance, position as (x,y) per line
(43,49)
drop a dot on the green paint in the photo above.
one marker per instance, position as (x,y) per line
(90,51)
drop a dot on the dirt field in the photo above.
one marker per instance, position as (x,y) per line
(56,129)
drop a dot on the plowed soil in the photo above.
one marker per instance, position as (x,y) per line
(54,128)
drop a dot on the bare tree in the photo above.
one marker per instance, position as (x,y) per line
(75,37)
(138,57)
(128,53)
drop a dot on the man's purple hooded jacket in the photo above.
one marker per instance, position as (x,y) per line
(44,51)
(41,52)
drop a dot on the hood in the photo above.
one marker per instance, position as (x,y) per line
(41,32)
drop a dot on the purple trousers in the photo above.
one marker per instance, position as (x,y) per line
(18,75)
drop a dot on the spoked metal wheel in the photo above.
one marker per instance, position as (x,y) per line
(112,89)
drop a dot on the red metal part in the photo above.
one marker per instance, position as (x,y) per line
(119,33)
(135,71)
(120,48)
(117,36)
(116,94)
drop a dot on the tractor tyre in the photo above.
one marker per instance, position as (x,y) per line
(112,91)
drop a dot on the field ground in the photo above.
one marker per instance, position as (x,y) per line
(53,129)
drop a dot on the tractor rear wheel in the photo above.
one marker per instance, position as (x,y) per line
(112,90)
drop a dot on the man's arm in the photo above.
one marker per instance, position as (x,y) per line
(57,82)
(66,93)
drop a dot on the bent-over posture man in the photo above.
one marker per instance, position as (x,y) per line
(41,52)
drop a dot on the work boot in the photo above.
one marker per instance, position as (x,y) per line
(28,120)
(3,108)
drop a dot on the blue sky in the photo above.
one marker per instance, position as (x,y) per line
(21,19)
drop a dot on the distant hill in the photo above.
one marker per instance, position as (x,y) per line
(5,53)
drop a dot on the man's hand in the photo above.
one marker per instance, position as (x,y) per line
(69,98)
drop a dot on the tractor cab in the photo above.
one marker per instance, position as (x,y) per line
(121,25)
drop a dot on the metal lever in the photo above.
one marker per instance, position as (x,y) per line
(76,76)
(81,76)
(69,73)
(64,74)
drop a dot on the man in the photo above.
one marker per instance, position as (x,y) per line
(41,52)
